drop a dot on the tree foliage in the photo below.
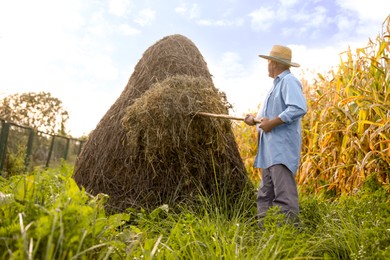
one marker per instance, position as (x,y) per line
(40,111)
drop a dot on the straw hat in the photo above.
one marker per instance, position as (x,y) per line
(281,54)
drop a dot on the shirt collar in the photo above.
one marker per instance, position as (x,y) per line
(280,76)
(283,74)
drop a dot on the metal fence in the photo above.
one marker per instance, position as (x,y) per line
(23,148)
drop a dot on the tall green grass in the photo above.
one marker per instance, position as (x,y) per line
(44,215)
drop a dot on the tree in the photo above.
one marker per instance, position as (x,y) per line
(40,111)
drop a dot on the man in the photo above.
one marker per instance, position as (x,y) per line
(279,143)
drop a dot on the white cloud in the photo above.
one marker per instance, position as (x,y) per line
(359,20)
(145,17)
(344,23)
(119,7)
(233,67)
(182,9)
(193,12)
(316,19)
(288,2)
(308,24)
(221,23)
(262,18)
(374,10)
(127,30)
(321,60)
(97,24)
(190,12)
(100,67)
(288,31)
(315,60)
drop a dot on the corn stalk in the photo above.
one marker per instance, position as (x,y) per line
(346,131)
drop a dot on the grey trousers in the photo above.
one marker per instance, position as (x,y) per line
(278,188)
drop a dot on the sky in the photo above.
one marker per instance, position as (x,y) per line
(84,52)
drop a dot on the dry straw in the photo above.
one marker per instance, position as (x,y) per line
(150,148)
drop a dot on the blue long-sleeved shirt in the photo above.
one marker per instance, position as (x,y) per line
(282,145)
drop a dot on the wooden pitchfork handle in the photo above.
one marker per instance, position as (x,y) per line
(257,120)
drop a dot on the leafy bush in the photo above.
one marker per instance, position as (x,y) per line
(15,162)
(44,215)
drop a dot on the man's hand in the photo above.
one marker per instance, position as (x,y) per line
(268,124)
(250,120)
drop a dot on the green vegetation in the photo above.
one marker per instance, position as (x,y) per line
(44,215)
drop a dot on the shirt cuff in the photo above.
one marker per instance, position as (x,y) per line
(285,118)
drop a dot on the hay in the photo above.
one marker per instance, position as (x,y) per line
(150,148)
(163,120)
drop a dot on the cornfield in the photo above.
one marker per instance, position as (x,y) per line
(346,130)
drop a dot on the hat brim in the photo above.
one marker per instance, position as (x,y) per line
(286,62)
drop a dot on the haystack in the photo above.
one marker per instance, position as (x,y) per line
(151,148)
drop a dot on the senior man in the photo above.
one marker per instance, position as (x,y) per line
(280,136)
